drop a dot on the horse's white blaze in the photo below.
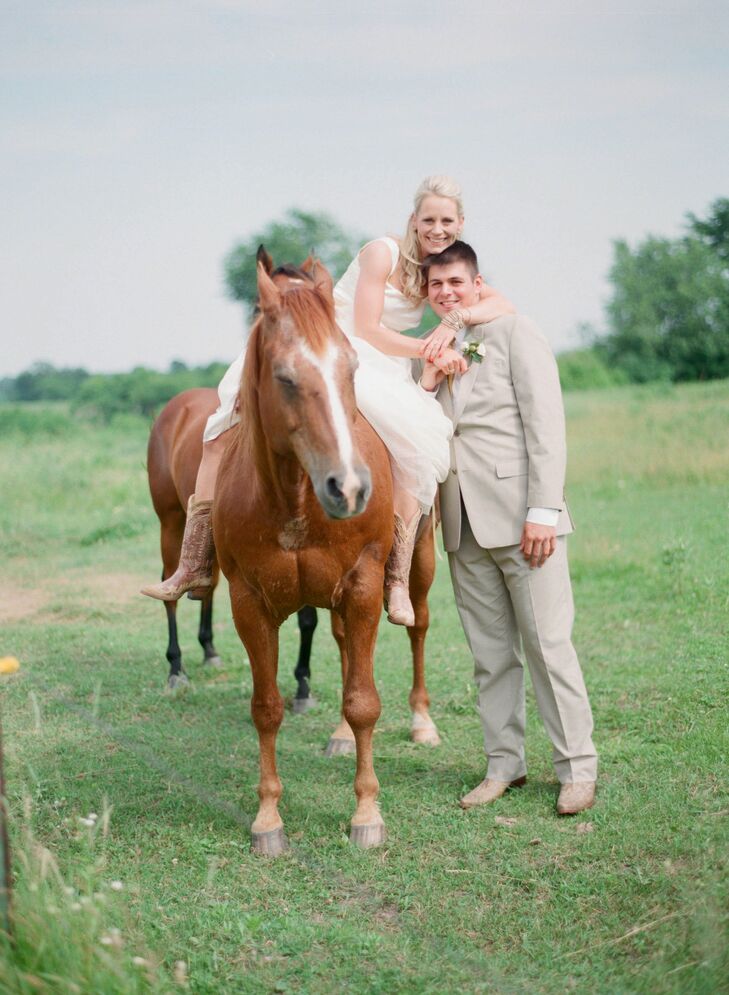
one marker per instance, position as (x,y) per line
(326,366)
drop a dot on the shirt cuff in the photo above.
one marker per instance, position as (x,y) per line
(431,390)
(543,516)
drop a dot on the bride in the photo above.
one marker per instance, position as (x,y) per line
(380,296)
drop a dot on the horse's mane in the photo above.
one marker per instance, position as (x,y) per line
(313,318)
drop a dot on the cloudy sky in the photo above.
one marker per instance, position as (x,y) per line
(142,139)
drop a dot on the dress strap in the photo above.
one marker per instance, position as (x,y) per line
(392,246)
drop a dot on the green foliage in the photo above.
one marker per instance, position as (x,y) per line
(100,395)
(26,421)
(584,369)
(669,312)
(290,241)
(43,382)
(713,230)
(142,391)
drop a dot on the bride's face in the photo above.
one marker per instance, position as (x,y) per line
(437,224)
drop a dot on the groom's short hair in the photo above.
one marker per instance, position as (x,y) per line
(457,252)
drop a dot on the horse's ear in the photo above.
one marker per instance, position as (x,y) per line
(308,263)
(322,280)
(269,296)
(264,259)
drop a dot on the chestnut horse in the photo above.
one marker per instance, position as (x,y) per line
(303,516)
(173,457)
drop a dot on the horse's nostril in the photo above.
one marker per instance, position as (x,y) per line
(333,489)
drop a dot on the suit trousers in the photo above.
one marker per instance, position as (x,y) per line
(501,599)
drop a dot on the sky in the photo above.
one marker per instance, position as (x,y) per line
(142,140)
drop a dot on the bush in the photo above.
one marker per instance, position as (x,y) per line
(582,369)
(30,420)
(142,391)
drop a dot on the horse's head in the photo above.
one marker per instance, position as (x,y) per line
(306,401)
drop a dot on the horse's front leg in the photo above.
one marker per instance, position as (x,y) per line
(177,677)
(341,742)
(259,633)
(422,571)
(361,615)
(205,630)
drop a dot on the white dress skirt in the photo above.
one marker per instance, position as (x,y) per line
(409,421)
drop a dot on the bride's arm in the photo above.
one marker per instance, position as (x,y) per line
(491,304)
(375,263)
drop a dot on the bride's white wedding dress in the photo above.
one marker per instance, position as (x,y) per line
(409,421)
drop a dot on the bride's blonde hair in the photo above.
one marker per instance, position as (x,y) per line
(413,280)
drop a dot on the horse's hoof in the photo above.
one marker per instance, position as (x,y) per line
(301,705)
(340,747)
(427,737)
(271,843)
(373,834)
(177,683)
(213,661)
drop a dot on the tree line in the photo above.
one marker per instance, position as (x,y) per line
(104,395)
(667,317)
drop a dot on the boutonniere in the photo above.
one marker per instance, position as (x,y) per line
(474,350)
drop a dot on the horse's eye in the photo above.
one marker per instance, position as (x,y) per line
(285,379)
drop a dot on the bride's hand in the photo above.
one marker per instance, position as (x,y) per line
(439,339)
(450,361)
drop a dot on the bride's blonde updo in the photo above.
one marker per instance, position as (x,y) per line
(413,281)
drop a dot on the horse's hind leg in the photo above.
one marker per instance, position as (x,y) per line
(422,728)
(342,739)
(205,631)
(307,619)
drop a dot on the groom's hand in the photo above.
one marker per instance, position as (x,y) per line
(450,361)
(431,377)
(538,542)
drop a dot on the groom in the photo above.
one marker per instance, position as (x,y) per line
(504,527)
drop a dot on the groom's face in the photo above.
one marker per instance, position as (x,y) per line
(452,286)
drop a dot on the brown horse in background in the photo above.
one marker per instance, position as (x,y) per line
(303,516)
(173,456)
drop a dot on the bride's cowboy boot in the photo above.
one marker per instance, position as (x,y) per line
(397,572)
(195,569)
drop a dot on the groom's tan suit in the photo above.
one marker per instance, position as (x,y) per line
(508,455)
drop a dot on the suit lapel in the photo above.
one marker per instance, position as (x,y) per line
(446,398)
(465,387)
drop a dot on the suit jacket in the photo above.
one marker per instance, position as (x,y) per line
(508,451)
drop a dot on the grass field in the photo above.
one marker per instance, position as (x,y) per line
(160,893)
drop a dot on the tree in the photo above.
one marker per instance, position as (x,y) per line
(713,231)
(43,382)
(290,241)
(669,312)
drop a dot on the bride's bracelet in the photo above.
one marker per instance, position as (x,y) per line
(456,320)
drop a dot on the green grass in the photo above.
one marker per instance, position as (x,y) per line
(631,898)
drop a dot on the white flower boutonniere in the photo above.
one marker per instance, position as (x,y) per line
(473,350)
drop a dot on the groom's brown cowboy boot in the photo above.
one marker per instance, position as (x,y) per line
(195,569)
(397,572)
